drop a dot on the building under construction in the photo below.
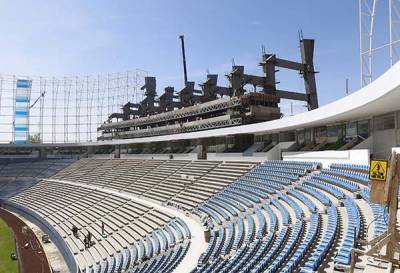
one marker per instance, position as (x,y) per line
(214,106)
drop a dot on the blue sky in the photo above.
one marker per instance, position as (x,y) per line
(68,38)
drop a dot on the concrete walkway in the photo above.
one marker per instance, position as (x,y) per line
(31,255)
(197,243)
(53,254)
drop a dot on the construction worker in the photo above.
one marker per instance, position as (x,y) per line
(75,231)
(85,241)
(89,239)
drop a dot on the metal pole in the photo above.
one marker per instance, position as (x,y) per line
(108,95)
(42,91)
(391,32)
(51,86)
(367,13)
(361,42)
(371,33)
(65,111)
(100,105)
(127,86)
(14,91)
(184,58)
(28,131)
(87,108)
(90,125)
(76,109)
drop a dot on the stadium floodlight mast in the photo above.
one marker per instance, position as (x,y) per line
(367,21)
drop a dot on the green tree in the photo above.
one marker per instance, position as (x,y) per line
(35,138)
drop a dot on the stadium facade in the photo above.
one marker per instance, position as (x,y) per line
(154,193)
(366,119)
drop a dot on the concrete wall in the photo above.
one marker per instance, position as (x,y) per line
(19,156)
(328,157)
(188,156)
(55,237)
(256,157)
(367,144)
(102,156)
(276,152)
(396,149)
(272,154)
(383,141)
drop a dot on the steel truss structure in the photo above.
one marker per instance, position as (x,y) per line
(367,23)
(68,109)
(186,112)
(207,124)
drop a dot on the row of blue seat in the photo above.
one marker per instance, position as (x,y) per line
(297,209)
(239,234)
(263,183)
(215,263)
(315,193)
(355,167)
(233,203)
(380,213)
(206,254)
(157,249)
(312,208)
(338,181)
(262,224)
(358,176)
(252,199)
(224,209)
(164,263)
(318,255)
(304,246)
(210,212)
(254,190)
(325,187)
(272,218)
(152,246)
(220,211)
(352,232)
(262,250)
(237,198)
(281,169)
(255,185)
(230,232)
(284,213)
(306,164)
(287,249)
(236,266)
(267,259)
(266,171)
(248,240)
(218,244)
(251,229)
(279,180)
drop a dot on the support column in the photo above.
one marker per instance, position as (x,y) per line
(202,149)
(42,153)
(117,151)
(91,150)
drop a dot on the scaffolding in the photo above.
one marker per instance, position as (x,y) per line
(68,109)
(370,42)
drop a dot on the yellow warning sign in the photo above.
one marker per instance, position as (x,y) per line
(378,170)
